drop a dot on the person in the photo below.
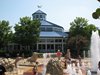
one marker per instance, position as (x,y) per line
(65,64)
(80,60)
(68,56)
(98,71)
(18,58)
(2,69)
(59,54)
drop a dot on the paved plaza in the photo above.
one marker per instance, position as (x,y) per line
(26,68)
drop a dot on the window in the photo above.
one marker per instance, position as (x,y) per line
(42,29)
(50,46)
(57,29)
(48,29)
(58,40)
(42,40)
(50,40)
(40,16)
(43,46)
(37,16)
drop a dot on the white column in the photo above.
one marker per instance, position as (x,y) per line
(84,54)
(89,53)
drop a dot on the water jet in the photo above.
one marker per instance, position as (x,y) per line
(95,51)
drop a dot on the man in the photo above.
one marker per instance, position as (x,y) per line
(2,70)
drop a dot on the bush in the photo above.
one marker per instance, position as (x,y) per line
(53,55)
(2,53)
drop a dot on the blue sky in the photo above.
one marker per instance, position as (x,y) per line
(60,12)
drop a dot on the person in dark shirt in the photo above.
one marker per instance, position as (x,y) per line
(2,70)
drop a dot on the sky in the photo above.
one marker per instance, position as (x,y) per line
(60,12)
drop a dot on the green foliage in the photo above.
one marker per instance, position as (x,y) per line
(78,42)
(2,51)
(77,26)
(98,11)
(96,14)
(5,33)
(80,26)
(80,33)
(22,53)
(53,55)
(88,30)
(27,31)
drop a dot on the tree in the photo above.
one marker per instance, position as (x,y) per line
(79,34)
(96,14)
(80,26)
(27,32)
(77,26)
(5,33)
(78,42)
(88,29)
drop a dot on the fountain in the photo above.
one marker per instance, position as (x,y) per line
(44,66)
(95,51)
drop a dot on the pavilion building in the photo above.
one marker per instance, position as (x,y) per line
(52,36)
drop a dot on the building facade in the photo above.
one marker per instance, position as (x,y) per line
(52,36)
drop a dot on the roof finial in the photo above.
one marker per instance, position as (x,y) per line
(39,6)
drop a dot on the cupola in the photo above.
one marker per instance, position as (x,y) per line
(39,15)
